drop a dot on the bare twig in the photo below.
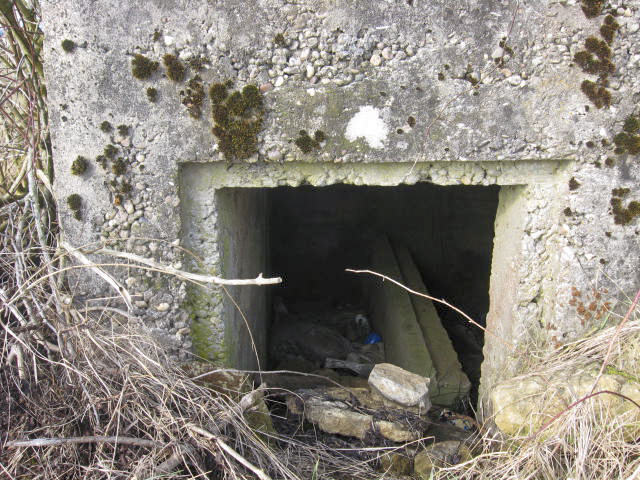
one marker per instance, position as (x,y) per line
(16,353)
(104,275)
(196,277)
(176,458)
(47,442)
(434,299)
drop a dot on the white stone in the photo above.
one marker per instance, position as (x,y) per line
(310,71)
(514,80)
(375,60)
(128,206)
(163,307)
(279,81)
(368,124)
(497,53)
(274,155)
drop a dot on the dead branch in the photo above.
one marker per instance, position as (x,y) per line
(16,353)
(75,252)
(170,464)
(47,442)
(196,277)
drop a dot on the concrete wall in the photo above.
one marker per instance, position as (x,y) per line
(243,236)
(445,102)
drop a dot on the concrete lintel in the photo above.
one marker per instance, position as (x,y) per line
(385,174)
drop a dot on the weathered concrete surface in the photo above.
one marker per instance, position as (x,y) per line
(450,382)
(528,125)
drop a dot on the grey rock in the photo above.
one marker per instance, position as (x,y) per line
(400,386)
(336,417)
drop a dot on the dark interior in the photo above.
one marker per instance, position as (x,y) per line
(315,233)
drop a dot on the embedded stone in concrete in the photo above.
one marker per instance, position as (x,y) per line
(449,381)
(400,386)
(394,317)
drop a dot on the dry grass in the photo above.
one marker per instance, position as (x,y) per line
(587,441)
(24,148)
(98,384)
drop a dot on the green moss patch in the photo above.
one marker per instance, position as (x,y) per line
(598,94)
(74,201)
(193,96)
(152,94)
(595,59)
(68,45)
(106,127)
(175,68)
(142,68)
(592,8)
(280,40)
(628,141)
(218,93)
(238,119)
(609,28)
(110,151)
(574,184)
(623,215)
(79,165)
(119,167)
(102,161)
(306,143)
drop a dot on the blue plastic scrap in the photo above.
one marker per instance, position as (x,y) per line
(372,338)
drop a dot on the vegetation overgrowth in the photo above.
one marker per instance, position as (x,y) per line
(86,393)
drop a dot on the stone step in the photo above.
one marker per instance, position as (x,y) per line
(449,381)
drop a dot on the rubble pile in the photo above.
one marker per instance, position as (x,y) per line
(391,409)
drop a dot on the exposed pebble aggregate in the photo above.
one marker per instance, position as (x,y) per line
(308,57)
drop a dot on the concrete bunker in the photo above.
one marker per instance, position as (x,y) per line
(432,238)
(481,218)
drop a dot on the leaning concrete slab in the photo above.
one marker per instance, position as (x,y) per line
(394,317)
(450,382)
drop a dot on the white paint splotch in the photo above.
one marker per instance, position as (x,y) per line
(368,124)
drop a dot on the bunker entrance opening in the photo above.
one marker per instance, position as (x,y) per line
(431,238)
